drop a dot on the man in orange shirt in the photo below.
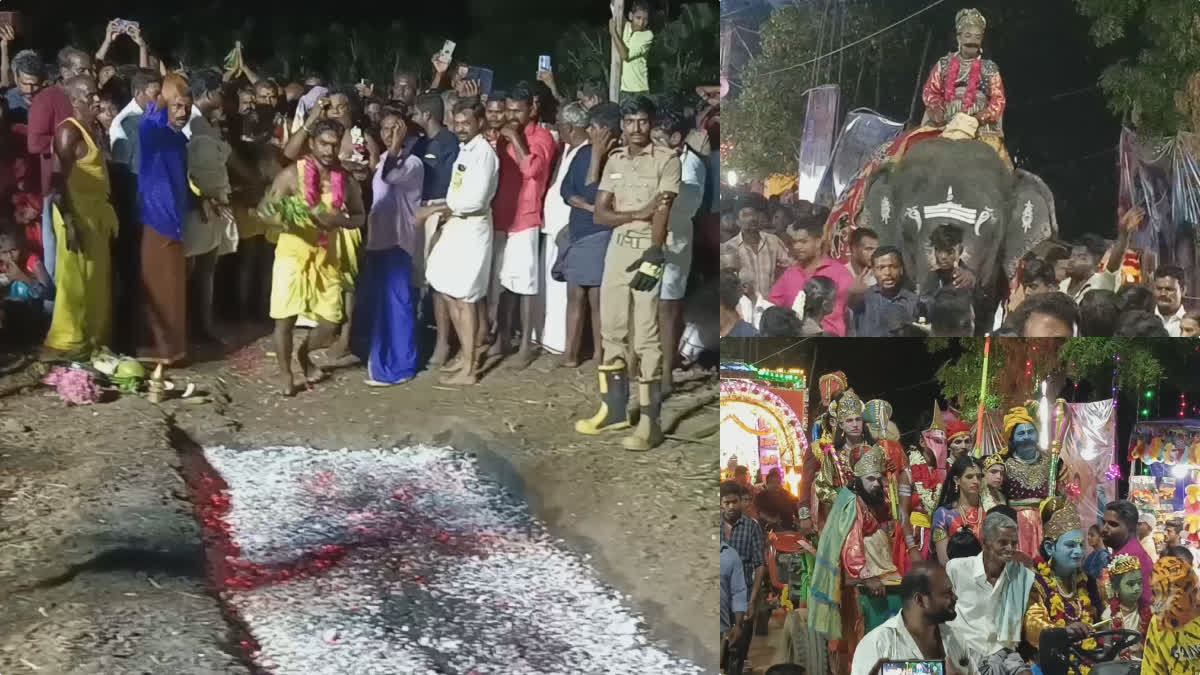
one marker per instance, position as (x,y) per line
(526,154)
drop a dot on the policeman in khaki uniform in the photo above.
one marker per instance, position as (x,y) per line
(639,185)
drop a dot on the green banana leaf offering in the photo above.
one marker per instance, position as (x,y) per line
(291,212)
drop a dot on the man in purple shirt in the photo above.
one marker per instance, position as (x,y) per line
(384,337)
(812,262)
(1118,533)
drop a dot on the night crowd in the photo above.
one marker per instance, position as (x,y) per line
(142,202)
(935,553)
(778,280)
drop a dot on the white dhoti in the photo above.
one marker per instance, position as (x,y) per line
(552,306)
(460,263)
(425,233)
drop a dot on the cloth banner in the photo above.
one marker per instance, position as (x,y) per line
(1162,176)
(1088,451)
(861,136)
(816,145)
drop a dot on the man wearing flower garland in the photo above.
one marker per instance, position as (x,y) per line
(1126,609)
(854,568)
(1027,476)
(305,279)
(1059,595)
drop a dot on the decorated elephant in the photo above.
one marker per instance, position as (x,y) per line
(1002,213)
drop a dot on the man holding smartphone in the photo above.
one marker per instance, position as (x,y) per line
(919,632)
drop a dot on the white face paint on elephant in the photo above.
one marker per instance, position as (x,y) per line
(1003,213)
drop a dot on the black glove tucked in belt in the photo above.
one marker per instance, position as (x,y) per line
(649,269)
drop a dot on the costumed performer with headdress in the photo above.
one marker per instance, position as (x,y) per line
(1126,607)
(877,414)
(992,493)
(1059,596)
(1027,476)
(830,386)
(854,566)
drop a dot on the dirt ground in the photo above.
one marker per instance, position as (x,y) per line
(101,565)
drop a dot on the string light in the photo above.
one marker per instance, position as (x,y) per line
(1183,405)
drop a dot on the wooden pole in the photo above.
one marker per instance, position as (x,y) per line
(912,109)
(614,69)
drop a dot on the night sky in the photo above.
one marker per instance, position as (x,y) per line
(507,36)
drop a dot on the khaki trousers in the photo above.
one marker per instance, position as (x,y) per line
(624,311)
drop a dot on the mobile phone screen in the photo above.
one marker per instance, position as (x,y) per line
(913,668)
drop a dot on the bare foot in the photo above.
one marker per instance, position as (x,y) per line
(524,358)
(287,386)
(462,378)
(441,351)
(496,349)
(569,362)
(455,364)
(313,374)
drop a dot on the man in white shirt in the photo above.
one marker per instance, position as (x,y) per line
(123,132)
(556,213)
(992,593)
(919,632)
(1168,292)
(668,132)
(460,262)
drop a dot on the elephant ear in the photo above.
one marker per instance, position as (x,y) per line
(1031,222)
(880,210)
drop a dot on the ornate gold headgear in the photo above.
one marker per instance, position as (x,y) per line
(871,463)
(969,18)
(1064,519)
(1124,564)
(939,422)
(850,405)
(993,460)
(877,413)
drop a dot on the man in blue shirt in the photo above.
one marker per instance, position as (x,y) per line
(438,150)
(583,262)
(887,305)
(733,593)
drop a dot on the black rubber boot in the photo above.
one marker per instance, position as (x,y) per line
(614,399)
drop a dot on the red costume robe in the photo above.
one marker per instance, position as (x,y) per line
(971,86)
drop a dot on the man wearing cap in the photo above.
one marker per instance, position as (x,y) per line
(958,439)
(1145,531)
(854,568)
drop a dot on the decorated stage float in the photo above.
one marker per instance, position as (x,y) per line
(1164,474)
(763,423)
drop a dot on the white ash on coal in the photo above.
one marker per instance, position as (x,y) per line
(439,570)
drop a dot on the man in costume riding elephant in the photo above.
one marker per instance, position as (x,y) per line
(953,171)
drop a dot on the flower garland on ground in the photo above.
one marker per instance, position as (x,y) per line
(1063,612)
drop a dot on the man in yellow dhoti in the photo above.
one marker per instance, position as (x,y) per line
(85,223)
(306,279)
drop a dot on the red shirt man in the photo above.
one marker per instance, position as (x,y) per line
(523,183)
(792,281)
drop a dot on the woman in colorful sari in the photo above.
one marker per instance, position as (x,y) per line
(959,505)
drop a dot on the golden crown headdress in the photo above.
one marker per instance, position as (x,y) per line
(848,406)
(1124,564)
(871,463)
(969,18)
(1064,519)
(993,460)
